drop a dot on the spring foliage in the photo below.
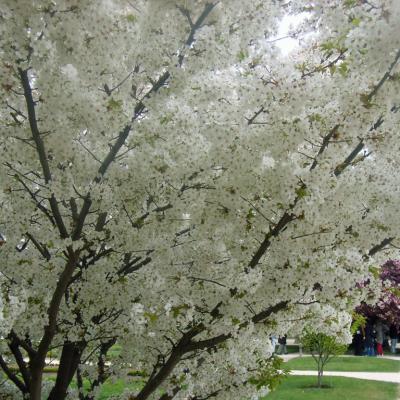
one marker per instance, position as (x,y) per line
(322,348)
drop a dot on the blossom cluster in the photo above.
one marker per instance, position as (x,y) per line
(173,182)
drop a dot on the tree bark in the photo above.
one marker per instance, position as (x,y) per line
(69,361)
(37,363)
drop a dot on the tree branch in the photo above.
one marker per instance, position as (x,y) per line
(186,345)
(38,362)
(12,377)
(25,344)
(122,136)
(278,228)
(22,367)
(138,110)
(40,206)
(349,159)
(325,143)
(40,148)
(384,77)
(41,248)
(380,246)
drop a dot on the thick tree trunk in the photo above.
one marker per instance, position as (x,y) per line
(37,363)
(35,390)
(69,361)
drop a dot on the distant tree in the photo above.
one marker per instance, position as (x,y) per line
(323,348)
(388,306)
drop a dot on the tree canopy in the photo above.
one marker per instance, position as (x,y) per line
(387,307)
(173,182)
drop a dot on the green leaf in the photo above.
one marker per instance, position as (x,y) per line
(350,3)
(343,69)
(131,18)
(178,310)
(114,105)
(139,222)
(242,55)
(24,261)
(269,373)
(166,118)
(161,168)
(151,317)
(375,271)
(366,100)
(358,321)
(250,214)
(315,118)
(394,290)
(302,192)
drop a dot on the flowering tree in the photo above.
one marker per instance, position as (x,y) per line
(171,181)
(387,308)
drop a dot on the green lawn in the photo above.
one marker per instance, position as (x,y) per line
(113,389)
(291,348)
(109,389)
(297,388)
(114,352)
(362,364)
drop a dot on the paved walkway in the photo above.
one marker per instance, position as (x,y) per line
(372,376)
(290,356)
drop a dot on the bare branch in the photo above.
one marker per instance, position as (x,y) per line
(380,246)
(194,279)
(109,90)
(349,159)
(40,247)
(385,77)
(325,143)
(197,25)
(12,376)
(30,104)
(255,115)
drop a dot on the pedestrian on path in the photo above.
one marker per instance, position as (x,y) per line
(282,349)
(274,341)
(358,342)
(381,330)
(369,342)
(394,336)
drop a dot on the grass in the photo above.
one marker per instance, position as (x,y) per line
(298,388)
(361,364)
(292,388)
(117,388)
(110,388)
(114,352)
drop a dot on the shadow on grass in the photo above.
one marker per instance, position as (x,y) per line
(316,387)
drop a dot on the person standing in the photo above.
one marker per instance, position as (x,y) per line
(358,342)
(381,329)
(282,349)
(394,336)
(274,341)
(369,339)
